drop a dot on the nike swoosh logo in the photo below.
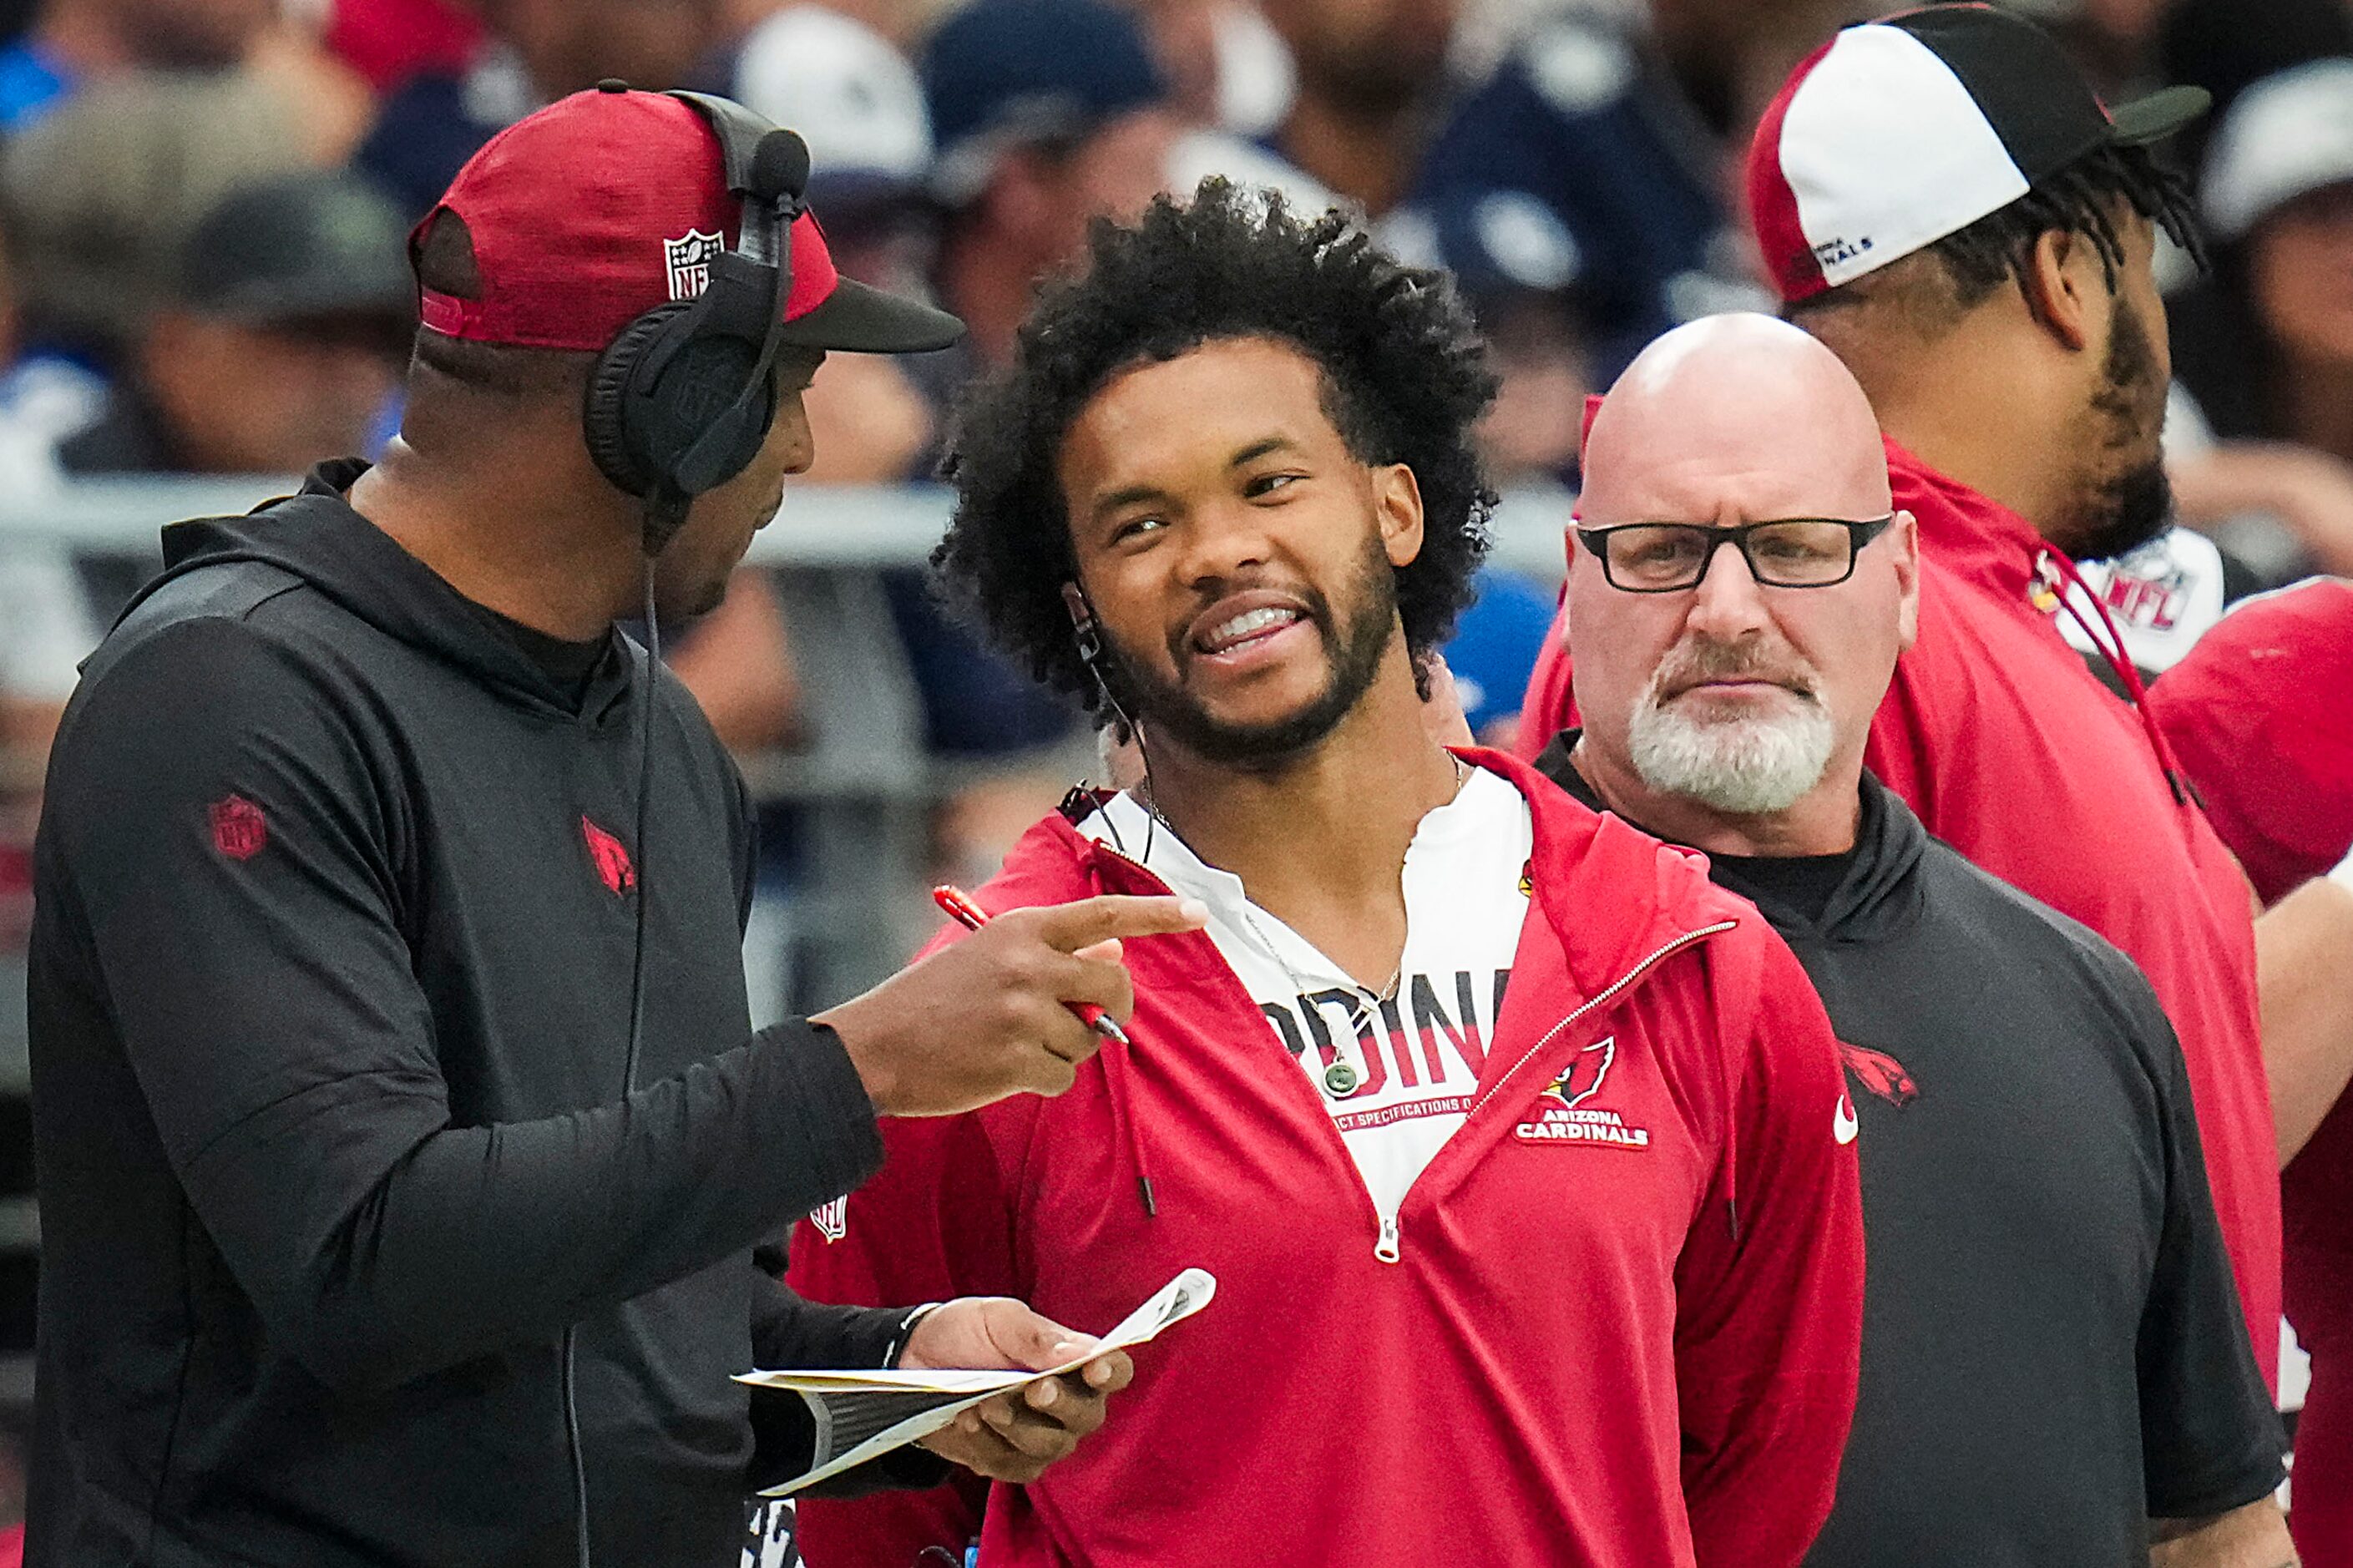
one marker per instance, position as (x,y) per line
(1843,1124)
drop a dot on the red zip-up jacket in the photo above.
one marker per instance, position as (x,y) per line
(2008,749)
(1639,1352)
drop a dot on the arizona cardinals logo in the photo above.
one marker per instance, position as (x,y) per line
(610,857)
(1585,1071)
(1876,1072)
(1563,1120)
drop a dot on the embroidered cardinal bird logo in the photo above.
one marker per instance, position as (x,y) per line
(1582,1080)
(610,857)
(1876,1072)
(239,830)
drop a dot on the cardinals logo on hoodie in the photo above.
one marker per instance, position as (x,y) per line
(1563,1116)
(1878,1073)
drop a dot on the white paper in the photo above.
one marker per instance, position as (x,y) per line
(863,1397)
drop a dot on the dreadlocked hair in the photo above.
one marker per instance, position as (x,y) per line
(1999,247)
(1405,379)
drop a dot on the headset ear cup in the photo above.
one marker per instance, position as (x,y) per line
(617,451)
(696,403)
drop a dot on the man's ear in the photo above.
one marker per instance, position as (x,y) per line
(1397,499)
(1904,534)
(2058,280)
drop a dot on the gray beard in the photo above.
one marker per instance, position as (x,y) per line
(1743,767)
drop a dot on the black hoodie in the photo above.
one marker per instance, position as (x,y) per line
(351,1229)
(2053,1351)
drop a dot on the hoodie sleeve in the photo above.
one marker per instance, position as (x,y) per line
(789,1331)
(2210,1435)
(224,845)
(1769,1288)
(936,1223)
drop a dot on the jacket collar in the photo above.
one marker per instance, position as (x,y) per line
(1583,861)
(1615,903)
(1968,533)
(1879,893)
(316,535)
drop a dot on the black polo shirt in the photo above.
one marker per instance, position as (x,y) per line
(2052,1349)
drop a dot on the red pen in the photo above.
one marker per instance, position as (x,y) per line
(972,917)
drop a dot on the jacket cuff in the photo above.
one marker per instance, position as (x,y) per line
(837,1120)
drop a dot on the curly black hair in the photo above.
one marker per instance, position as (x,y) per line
(1406,377)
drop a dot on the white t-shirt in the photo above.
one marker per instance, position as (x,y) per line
(1397,1073)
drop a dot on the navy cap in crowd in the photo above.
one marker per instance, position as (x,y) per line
(1496,242)
(1007,72)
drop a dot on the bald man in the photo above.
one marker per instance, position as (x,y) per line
(2018,365)
(2053,1358)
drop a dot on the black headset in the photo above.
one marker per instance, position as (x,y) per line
(679,403)
(683,397)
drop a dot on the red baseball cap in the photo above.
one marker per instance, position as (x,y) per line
(1900,132)
(610,203)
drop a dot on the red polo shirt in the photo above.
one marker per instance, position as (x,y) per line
(2010,750)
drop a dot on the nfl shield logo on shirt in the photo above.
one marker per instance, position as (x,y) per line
(831,1219)
(239,830)
(688,259)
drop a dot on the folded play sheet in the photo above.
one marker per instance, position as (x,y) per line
(863,1413)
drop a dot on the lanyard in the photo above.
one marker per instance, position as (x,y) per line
(2055,574)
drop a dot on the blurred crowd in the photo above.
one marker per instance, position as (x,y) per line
(203,208)
(204,204)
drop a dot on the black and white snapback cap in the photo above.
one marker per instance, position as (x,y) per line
(1900,132)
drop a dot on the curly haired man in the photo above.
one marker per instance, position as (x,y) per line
(1516,1148)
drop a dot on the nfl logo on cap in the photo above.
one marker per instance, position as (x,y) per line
(689,259)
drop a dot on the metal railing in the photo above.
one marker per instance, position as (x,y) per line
(830,526)
(863,777)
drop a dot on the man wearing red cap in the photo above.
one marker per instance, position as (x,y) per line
(1942,201)
(404,1141)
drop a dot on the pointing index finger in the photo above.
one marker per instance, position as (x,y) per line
(1087,921)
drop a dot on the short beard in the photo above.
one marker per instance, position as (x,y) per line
(1743,767)
(1352,652)
(2129,507)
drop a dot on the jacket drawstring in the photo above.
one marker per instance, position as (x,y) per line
(2110,644)
(1731,1146)
(1122,1111)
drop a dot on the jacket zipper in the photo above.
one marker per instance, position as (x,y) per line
(1388,1244)
(1603,996)
(1388,1247)
(579,1460)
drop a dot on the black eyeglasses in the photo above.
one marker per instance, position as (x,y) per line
(1786,553)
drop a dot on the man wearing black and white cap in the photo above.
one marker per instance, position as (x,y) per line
(1943,201)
